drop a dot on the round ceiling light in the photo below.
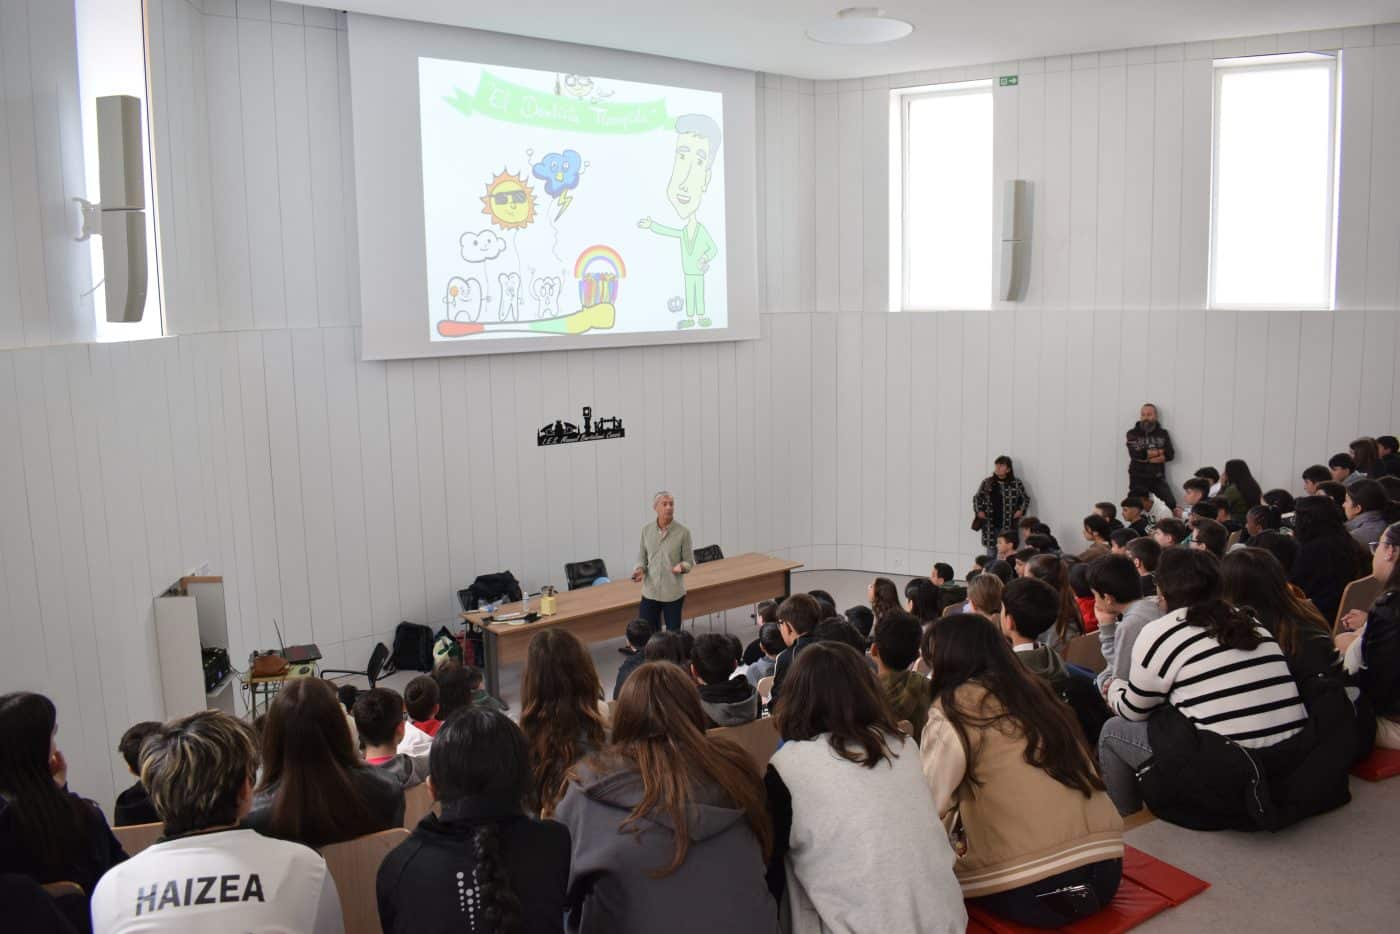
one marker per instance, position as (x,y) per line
(859,25)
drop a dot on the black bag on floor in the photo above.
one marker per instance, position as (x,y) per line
(413,647)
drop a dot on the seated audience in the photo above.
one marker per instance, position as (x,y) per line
(1210,536)
(1026,526)
(665,646)
(852,815)
(883,597)
(207,873)
(1013,781)
(1118,541)
(895,649)
(420,699)
(1195,490)
(46,832)
(1170,532)
(1328,557)
(1239,489)
(1000,569)
(836,629)
(1155,510)
(1280,500)
(1053,571)
(345,694)
(314,788)
(1029,608)
(942,574)
(864,620)
(1121,611)
(1372,652)
(379,719)
(826,601)
(1212,663)
(726,697)
(1096,532)
(667,822)
(454,688)
(765,612)
(1261,518)
(1365,453)
(638,633)
(1253,580)
(984,597)
(770,638)
(476,681)
(1335,491)
(798,616)
(134,805)
(1083,595)
(1388,460)
(559,710)
(1391,484)
(1368,511)
(482,864)
(1211,475)
(1145,553)
(1043,543)
(1343,469)
(1312,476)
(1133,516)
(1021,559)
(1110,513)
(1006,544)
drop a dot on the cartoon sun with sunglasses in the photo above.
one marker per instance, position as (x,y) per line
(509,202)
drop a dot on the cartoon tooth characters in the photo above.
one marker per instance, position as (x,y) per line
(545,292)
(697,143)
(463,299)
(510,296)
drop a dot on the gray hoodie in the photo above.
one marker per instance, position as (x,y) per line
(1367,527)
(719,887)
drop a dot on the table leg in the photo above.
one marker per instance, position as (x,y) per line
(493,662)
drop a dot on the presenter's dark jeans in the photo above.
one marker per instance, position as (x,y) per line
(654,611)
(1045,903)
(1157,486)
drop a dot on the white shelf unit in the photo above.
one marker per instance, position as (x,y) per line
(190,616)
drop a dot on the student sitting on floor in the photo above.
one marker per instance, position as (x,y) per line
(984,596)
(638,633)
(206,873)
(770,640)
(798,616)
(379,718)
(727,698)
(1016,787)
(851,813)
(1121,613)
(895,649)
(1372,651)
(134,805)
(764,612)
(1145,553)
(482,863)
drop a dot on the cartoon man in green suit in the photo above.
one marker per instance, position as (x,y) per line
(697,142)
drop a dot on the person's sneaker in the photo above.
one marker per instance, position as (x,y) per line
(685,323)
(704,322)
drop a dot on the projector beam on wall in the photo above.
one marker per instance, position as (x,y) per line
(120,218)
(1015,240)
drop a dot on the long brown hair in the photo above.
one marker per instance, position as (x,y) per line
(962,648)
(885,599)
(1252,578)
(308,757)
(659,731)
(1052,570)
(559,714)
(831,690)
(51,823)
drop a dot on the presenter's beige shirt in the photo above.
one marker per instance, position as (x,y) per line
(661,550)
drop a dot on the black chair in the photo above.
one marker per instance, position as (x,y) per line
(708,553)
(372,671)
(584,573)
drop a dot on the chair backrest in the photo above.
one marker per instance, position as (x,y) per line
(417,804)
(1233,540)
(765,688)
(1359,595)
(708,553)
(1086,652)
(354,865)
(377,658)
(584,573)
(61,889)
(759,739)
(136,837)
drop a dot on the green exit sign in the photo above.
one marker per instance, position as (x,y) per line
(1009,81)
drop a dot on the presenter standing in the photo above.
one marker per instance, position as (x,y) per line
(663,560)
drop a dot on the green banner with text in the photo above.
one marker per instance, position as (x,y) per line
(502,100)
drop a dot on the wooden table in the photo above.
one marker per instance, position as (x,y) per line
(597,613)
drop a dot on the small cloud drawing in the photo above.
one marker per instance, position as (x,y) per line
(482,245)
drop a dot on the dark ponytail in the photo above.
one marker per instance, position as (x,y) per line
(51,822)
(500,906)
(1190,578)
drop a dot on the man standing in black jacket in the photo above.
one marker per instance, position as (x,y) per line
(1149,450)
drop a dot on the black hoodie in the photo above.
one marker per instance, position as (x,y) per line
(420,889)
(1141,439)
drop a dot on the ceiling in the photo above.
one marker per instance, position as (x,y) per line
(767,35)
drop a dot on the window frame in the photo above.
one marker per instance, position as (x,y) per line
(904,98)
(1263,63)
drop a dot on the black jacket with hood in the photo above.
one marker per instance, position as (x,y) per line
(418,887)
(1140,441)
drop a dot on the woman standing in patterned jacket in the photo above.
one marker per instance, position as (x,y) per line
(1000,500)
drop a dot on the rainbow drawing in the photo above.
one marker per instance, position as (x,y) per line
(599,287)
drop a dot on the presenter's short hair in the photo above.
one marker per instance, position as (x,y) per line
(195,768)
(657,498)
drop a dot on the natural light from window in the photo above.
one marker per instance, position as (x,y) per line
(1274,165)
(943,196)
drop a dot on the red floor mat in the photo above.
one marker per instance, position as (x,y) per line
(1175,885)
(1381,763)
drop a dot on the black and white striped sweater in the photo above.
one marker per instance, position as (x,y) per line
(1249,697)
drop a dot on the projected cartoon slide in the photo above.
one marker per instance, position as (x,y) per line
(569,204)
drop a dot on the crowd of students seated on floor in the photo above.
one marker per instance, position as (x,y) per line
(938,748)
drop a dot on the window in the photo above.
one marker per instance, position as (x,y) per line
(1273,208)
(941,206)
